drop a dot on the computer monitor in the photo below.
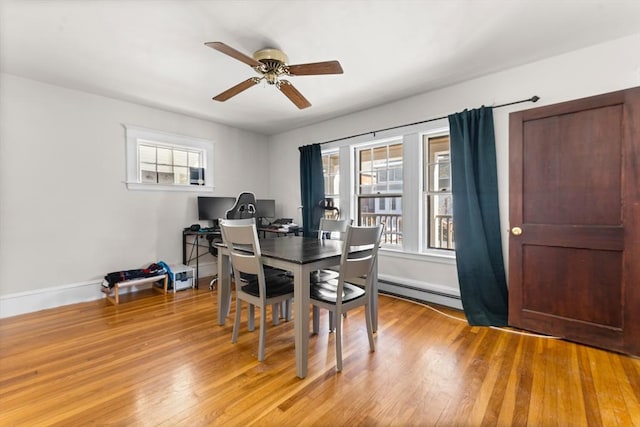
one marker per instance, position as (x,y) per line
(213,208)
(265,208)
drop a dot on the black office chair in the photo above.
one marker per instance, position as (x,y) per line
(243,208)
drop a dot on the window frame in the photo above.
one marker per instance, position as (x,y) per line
(358,196)
(328,154)
(136,136)
(428,194)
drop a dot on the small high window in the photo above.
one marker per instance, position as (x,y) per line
(161,161)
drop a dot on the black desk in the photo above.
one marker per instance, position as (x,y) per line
(195,244)
(300,255)
(279,231)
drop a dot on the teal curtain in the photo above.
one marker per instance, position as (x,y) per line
(476,218)
(311,188)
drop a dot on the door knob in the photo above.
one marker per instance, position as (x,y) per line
(516,231)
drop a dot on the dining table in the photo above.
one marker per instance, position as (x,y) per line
(300,256)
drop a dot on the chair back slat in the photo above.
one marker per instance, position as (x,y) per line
(238,235)
(357,265)
(333,226)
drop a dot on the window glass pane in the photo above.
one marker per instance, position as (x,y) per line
(165,178)
(380,157)
(195,160)
(365,161)
(180,158)
(165,156)
(334,167)
(383,210)
(381,173)
(380,188)
(147,154)
(395,152)
(441,227)
(165,168)
(439,177)
(148,176)
(181,174)
(439,221)
(367,178)
(335,185)
(148,167)
(366,189)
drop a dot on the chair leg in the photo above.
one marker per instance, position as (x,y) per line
(332,322)
(236,323)
(316,319)
(252,315)
(263,333)
(275,314)
(228,306)
(338,319)
(287,312)
(368,315)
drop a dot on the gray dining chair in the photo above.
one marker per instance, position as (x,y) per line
(328,229)
(340,295)
(256,288)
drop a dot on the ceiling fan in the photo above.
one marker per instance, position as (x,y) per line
(272,65)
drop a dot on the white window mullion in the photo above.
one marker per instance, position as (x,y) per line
(411,209)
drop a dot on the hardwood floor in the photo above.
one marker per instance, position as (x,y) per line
(163,360)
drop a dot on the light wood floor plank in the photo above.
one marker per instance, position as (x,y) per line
(163,360)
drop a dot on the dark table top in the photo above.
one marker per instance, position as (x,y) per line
(300,250)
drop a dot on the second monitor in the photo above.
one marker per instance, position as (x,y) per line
(265,208)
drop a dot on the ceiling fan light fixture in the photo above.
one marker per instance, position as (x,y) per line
(271,55)
(272,64)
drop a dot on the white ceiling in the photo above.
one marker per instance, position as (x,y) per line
(153,53)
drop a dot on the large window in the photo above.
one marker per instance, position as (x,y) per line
(161,161)
(437,193)
(379,189)
(331,172)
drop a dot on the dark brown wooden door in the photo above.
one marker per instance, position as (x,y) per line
(574,212)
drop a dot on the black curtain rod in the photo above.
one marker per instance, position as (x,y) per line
(534,98)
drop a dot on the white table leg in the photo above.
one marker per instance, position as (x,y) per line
(301,318)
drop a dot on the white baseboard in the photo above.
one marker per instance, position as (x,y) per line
(421,291)
(42,299)
(57,296)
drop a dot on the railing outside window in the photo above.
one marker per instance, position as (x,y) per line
(392,226)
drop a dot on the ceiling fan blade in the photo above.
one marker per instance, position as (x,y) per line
(228,50)
(240,87)
(327,67)
(292,93)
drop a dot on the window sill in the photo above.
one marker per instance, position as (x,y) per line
(434,256)
(160,187)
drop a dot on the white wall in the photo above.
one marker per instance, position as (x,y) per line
(66,216)
(598,69)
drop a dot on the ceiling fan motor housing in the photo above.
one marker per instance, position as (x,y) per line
(274,64)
